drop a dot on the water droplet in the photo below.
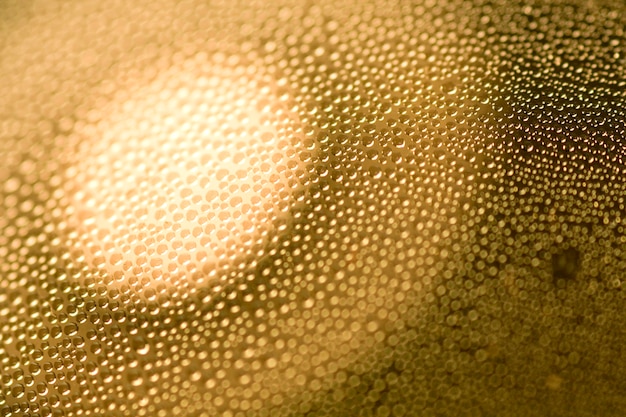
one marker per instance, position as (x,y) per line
(140,345)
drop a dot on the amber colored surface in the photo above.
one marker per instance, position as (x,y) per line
(312,208)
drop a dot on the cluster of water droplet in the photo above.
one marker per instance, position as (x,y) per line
(429,220)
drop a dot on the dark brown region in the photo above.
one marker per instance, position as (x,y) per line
(565,265)
(554,212)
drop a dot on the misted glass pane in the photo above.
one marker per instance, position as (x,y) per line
(312,208)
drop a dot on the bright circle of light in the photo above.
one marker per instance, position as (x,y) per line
(188,171)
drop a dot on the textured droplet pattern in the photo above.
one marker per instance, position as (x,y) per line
(186,175)
(284,208)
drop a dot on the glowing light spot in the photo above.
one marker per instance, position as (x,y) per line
(188,174)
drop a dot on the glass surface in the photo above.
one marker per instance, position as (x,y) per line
(312,208)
